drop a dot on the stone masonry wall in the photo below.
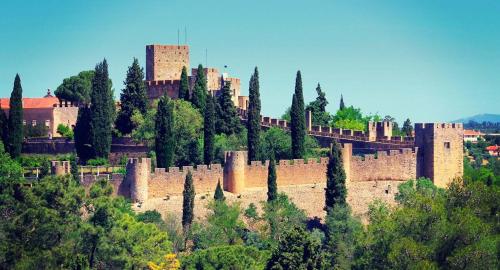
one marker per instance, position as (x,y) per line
(386,165)
(165,62)
(162,183)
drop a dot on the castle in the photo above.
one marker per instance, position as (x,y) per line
(164,65)
(437,154)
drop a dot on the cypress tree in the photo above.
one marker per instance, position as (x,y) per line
(228,121)
(3,126)
(184,85)
(188,202)
(101,111)
(335,192)
(194,152)
(407,127)
(133,97)
(74,167)
(272,186)
(200,89)
(342,106)
(298,119)
(82,134)
(297,133)
(253,121)
(15,122)
(164,130)
(219,193)
(209,131)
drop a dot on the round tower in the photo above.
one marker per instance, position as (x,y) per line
(138,176)
(234,171)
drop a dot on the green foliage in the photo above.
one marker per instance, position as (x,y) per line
(223,226)
(343,232)
(209,132)
(341,105)
(253,121)
(74,167)
(281,215)
(318,109)
(184,85)
(97,162)
(4,125)
(15,122)
(456,228)
(42,162)
(164,139)
(228,121)
(407,128)
(297,250)
(188,124)
(82,134)
(188,202)
(272,186)
(76,88)
(336,191)
(223,142)
(65,131)
(219,193)
(150,216)
(251,212)
(276,143)
(36,131)
(200,89)
(132,98)
(352,118)
(102,111)
(235,257)
(298,120)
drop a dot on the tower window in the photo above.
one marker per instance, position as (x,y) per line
(446,145)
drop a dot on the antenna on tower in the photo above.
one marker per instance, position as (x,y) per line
(185,35)
(178,37)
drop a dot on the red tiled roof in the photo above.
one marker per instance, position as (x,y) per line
(469,132)
(32,103)
(492,148)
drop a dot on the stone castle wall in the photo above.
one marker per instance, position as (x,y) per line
(385,165)
(237,176)
(162,183)
(441,151)
(165,62)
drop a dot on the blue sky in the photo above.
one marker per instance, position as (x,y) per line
(426,60)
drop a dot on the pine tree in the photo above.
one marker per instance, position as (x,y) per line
(101,111)
(164,130)
(272,186)
(228,121)
(209,131)
(298,119)
(15,122)
(317,107)
(82,134)
(335,192)
(184,85)
(133,98)
(4,122)
(188,202)
(342,106)
(200,89)
(253,121)
(219,193)
(407,127)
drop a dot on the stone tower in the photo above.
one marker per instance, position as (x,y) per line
(138,173)
(165,62)
(440,152)
(234,171)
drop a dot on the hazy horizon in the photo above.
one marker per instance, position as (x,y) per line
(426,60)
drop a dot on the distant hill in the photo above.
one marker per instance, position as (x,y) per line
(487,117)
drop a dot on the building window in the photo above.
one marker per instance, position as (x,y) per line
(47,123)
(24,122)
(446,145)
(33,123)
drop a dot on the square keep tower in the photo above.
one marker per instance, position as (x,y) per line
(165,62)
